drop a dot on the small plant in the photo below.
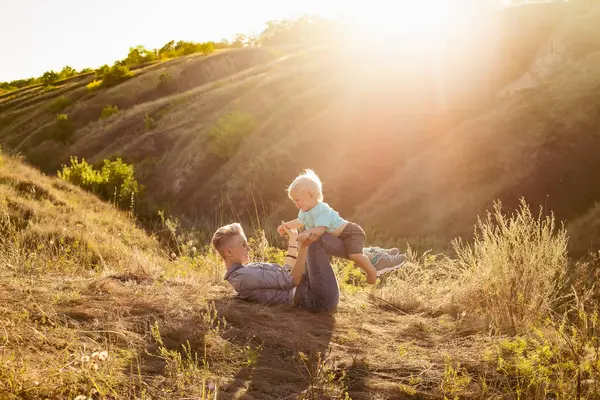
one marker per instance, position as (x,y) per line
(527,362)
(219,84)
(63,129)
(324,378)
(149,122)
(230,131)
(183,368)
(94,85)
(454,381)
(49,88)
(166,83)
(108,111)
(560,360)
(261,251)
(60,104)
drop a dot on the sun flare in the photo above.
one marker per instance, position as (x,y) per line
(420,19)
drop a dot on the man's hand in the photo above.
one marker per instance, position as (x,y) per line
(308,237)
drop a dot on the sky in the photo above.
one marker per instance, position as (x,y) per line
(40,35)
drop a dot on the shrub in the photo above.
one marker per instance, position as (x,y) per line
(207,47)
(166,83)
(229,132)
(108,111)
(63,129)
(49,77)
(101,71)
(115,181)
(80,173)
(93,85)
(67,72)
(115,75)
(512,268)
(60,104)
(139,55)
(119,182)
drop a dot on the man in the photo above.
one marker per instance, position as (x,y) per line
(306,280)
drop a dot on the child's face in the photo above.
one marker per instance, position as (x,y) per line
(303,199)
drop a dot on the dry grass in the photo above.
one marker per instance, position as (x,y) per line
(94,308)
(74,230)
(511,274)
(79,279)
(515,268)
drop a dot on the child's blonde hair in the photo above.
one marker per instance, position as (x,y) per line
(307,181)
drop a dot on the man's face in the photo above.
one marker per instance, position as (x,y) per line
(238,250)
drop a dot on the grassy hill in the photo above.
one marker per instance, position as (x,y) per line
(79,279)
(390,132)
(94,307)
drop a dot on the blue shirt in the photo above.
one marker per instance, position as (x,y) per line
(321,215)
(262,283)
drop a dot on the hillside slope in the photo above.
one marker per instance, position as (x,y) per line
(400,149)
(78,279)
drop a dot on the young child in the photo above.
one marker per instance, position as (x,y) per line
(306,191)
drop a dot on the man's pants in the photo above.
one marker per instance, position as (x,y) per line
(319,290)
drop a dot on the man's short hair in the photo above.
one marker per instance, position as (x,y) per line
(223,235)
(307,181)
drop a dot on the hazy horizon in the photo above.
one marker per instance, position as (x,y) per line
(39,38)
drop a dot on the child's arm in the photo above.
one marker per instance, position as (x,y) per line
(317,231)
(291,225)
(294,224)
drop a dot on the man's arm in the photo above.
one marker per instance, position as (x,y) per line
(300,266)
(296,256)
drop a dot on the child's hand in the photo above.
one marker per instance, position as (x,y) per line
(281,229)
(292,233)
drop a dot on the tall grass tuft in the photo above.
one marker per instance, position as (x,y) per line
(513,268)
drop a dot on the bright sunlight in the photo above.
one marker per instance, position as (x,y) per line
(410,19)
